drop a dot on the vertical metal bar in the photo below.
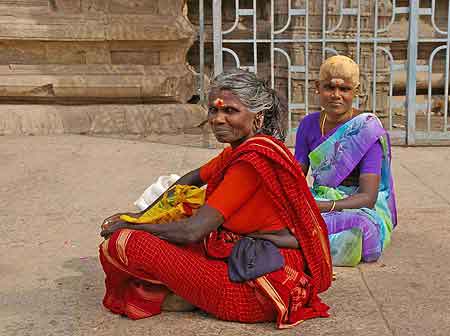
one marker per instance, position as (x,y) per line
(412,75)
(255,37)
(307,58)
(430,91)
(272,45)
(391,89)
(324,28)
(202,49)
(291,140)
(217,37)
(447,73)
(374,65)
(358,42)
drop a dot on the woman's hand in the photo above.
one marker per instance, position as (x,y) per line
(282,238)
(116,218)
(114,227)
(365,197)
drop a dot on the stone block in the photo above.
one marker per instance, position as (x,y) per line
(65,6)
(9,122)
(149,28)
(144,57)
(173,83)
(76,53)
(167,82)
(17,25)
(75,119)
(92,6)
(101,119)
(148,52)
(108,119)
(77,25)
(172,7)
(17,119)
(136,121)
(22,52)
(133,7)
(25,3)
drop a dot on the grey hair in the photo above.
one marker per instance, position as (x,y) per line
(257,96)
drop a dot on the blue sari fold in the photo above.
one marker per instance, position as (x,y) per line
(355,234)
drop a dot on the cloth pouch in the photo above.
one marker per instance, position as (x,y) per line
(252,258)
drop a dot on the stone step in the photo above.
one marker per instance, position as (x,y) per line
(104,119)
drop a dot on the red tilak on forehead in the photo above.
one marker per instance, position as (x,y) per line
(337,81)
(219,103)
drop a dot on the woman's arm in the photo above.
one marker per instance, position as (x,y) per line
(305,168)
(282,238)
(182,232)
(366,196)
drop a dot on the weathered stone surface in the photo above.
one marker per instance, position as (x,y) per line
(19,120)
(169,83)
(95,51)
(88,27)
(148,27)
(134,7)
(17,23)
(143,120)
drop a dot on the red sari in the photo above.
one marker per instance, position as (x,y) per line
(141,269)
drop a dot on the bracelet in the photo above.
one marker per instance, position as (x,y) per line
(333,206)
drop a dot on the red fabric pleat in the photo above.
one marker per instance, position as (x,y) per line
(187,272)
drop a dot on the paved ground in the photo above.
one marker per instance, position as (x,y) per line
(54,191)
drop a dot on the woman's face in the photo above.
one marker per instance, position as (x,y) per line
(230,120)
(336,95)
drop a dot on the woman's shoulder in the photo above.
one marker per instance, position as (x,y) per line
(216,163)
(310,118)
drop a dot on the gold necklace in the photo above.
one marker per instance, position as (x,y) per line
(323,124)
(322,127)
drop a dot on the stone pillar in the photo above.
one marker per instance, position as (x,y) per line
(95,52)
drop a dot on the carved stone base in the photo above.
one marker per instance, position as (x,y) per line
(113,119)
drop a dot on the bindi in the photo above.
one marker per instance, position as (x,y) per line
(337,81)
(219,103)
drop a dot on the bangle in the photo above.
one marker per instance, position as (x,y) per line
(333,206)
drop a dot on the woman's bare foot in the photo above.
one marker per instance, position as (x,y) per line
(174,303)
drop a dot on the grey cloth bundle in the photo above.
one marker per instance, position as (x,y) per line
(252,258)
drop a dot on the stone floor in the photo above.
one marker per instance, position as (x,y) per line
(55,190)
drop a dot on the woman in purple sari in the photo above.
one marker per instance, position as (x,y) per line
(350,159)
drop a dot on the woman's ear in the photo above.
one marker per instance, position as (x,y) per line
(357,90)
(317,87)
(258,121)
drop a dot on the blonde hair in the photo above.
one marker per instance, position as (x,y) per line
(340,67)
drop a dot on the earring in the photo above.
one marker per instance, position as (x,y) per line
(317,91)
(258,122)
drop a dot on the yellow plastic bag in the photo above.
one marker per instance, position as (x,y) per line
(178,202)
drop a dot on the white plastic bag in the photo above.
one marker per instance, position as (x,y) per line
(155,190)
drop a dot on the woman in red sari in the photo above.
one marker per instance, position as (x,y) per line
(254,188)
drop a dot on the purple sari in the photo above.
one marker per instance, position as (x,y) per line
(355,234)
